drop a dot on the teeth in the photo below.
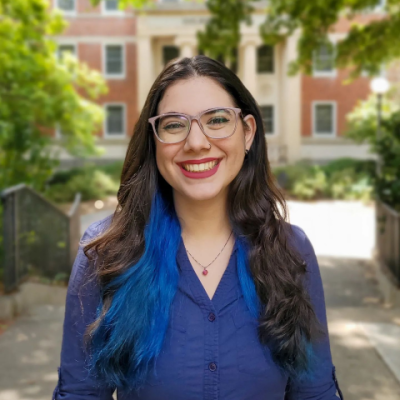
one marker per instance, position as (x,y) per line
(200,167)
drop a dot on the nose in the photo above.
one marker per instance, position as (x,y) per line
(196,139)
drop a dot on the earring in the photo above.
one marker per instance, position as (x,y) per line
(210,146)
(246,153)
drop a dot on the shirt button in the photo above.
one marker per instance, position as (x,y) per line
(212,366)
(211,317)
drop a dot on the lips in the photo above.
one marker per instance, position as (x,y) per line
(198,169)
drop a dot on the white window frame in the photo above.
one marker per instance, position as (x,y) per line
(324,74)
(66,13)
(104,10)
(122,75)
(274,55)
(274,120)
(314,115)
(124,121)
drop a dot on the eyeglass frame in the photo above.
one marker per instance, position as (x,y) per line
(197,117)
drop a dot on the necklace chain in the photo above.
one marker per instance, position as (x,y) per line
(205,267)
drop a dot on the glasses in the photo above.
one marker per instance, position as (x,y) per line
(215,123)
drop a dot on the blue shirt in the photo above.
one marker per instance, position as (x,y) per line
(211,349)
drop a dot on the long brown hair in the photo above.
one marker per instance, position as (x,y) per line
(257,211)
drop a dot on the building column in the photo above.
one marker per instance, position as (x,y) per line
(187,46)
(291,102)
(145,68)
(249,63)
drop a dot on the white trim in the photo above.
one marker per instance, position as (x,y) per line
(324,74)
(94,39)
(106,12)
(274,120)
(334,119)
(122,75)
(124,121)
(66,13)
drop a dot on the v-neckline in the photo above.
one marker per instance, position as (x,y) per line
(197,284)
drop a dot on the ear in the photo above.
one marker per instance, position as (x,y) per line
(250,127)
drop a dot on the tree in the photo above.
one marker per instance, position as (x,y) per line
(365,48)
(39,92)
(362,122)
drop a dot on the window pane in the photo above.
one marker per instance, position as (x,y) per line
(115,120)
(65,48)
(265,59)
(66,5)
(324,59)
(267,113)
(324,118)
(169,53)
(111,5)
(114,60)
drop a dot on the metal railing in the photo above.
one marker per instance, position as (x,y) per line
(388,240)
(38,237)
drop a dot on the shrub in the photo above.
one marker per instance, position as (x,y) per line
(91,183)
(343,178)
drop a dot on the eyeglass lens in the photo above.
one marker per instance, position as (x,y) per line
(215,123)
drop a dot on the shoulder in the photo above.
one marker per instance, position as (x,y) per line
(79,277)
(96,228)
(299,239)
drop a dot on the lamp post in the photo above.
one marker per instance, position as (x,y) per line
(379,86)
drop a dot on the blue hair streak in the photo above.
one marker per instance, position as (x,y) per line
(131,334)
(126,343)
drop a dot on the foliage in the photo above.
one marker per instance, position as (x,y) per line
(345,178)
(92,181)
(38,92)
(363,129)
(222,34)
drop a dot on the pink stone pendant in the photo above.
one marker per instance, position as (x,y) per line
(205,272)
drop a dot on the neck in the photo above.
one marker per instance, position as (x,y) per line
(204,220)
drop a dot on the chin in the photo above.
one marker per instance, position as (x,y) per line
(202,193)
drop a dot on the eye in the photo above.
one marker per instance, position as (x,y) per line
(173,125)
(218,120)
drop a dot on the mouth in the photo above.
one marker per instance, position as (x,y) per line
(207,166)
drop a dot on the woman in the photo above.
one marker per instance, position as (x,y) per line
(196,287)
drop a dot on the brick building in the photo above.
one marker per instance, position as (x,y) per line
(304,116)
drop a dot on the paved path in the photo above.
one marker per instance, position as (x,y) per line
(364,335)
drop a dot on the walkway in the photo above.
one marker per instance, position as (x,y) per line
(364,336)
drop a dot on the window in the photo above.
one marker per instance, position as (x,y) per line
(169,53)
(66,5)
(232,64)
(267,113)
(111,5)
(265,59)
(324,61)
(115,120)
(114,61)
(66,48)
(324,119)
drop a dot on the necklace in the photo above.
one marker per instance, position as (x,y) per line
(205,272)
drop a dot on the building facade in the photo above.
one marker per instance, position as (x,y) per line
(304,116)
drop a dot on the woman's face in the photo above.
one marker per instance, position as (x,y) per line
(191,97)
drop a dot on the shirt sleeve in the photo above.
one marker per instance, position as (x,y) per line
(83,295)
(324,384)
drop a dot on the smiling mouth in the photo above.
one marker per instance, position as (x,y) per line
(200,167)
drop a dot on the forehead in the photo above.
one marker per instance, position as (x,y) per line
(190,96)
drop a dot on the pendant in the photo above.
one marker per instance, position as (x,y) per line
(205,272)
